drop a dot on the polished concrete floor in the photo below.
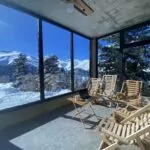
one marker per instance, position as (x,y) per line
(57,130)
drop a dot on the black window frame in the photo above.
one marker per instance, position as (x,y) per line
(124,45)
(40,50)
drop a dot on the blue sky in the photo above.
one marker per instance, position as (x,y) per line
(18,31)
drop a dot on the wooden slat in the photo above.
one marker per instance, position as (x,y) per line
(114,131)
(111,129)
(142,124)
(119,130)
(132,131)
(123,134)
(128,129)
(108,123)
(133,128)
(115,128)
(137,123)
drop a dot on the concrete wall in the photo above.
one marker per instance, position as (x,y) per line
(13,117)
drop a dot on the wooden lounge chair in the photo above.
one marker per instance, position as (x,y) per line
(93,87)
(134,128)
(108,87)
(130,93)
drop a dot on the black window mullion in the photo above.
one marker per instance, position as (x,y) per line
(96,57)
(41,66)
(122,63)
(72,60)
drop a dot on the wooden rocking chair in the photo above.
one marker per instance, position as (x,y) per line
(130,93)
(134,128)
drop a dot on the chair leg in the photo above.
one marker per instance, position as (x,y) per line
(93,112)
(79,115)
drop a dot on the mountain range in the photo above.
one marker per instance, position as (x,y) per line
(7,58)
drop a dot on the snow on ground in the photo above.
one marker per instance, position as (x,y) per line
(10,96)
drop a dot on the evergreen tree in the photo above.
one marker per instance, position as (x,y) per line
(51,65)
(19,66)
(136,59)
(109,56)
(137,62)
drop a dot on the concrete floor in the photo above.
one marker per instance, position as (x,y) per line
(56,130)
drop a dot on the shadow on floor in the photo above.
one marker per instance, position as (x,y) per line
(91,124)
(26,126)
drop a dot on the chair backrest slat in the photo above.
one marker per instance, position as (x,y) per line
(133,87)
(93,86)
(109,82)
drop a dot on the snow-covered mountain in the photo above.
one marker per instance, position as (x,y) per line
(78,64)
(7,58)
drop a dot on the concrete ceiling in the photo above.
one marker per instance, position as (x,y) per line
(108,15)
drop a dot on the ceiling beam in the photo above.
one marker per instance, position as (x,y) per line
(81,6)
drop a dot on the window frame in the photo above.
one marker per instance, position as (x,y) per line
(40,52)
(124,45)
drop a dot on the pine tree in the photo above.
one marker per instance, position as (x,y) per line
(136,63)
(19,66)
(51,65)
(108,56)
(137,58)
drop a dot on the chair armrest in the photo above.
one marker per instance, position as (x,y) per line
(130,105)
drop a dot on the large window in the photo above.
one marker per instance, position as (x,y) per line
(57,63)
(108,55)
(137,65)
(129,61)
(19,78)
(81,62)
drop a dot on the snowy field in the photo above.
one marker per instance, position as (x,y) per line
(10,96)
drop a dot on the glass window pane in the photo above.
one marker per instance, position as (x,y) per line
(81,62)
(57,76)
(138,34)
(108,55)
(19,77)
(137,65)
